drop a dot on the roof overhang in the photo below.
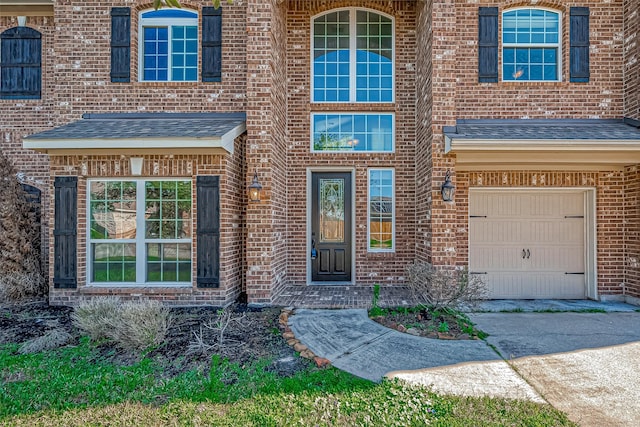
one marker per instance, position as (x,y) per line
(26,7)
(149,133)
(552,144)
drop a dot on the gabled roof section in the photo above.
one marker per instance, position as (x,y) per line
(157,132)
(544,142)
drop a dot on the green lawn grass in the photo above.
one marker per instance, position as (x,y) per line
(75,386)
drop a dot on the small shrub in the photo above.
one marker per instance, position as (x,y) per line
(444,288)
(142,325)
(95,317)
(50,340)
(132,326)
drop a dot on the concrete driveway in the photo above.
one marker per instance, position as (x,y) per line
(584,364)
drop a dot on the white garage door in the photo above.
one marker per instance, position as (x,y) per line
(528,245)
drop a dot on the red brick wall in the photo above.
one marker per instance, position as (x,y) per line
(266,150)
(382,268)
(632,230)
(21,117)
(601,97)
(424,129)
(632,59)
(230,168)
(76,67)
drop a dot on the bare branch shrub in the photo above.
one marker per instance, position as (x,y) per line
(50,340)
(132,326)
(444,288)
(212,333)
(20,269)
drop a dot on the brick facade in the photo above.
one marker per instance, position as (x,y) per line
(631,51)
(266,65)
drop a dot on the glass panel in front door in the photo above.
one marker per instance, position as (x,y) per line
(331,210)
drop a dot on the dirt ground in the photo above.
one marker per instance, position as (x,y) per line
(194,336)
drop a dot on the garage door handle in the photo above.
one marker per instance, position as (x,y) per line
(478,272)
(524,254)
(528,254)
(574,273)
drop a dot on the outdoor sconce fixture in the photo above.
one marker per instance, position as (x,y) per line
(255,189)
(447,189)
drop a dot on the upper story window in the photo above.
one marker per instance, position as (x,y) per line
(20,63)
(531,45)
(352,57)
(346,132)
(168,45)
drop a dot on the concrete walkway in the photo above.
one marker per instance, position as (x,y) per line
(585,364)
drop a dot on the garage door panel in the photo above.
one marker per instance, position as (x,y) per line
(494,258)
(493,232)
(527,242)
(513,285)
(554,259)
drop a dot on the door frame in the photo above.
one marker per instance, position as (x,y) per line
(590,227)
(343,169)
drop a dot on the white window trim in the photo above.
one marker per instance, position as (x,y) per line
(393,211)
(169,23)
(352,56)
(140,240)
(349,113)
(557,45)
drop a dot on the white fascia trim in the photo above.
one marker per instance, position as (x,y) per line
(456,144)
(225,142)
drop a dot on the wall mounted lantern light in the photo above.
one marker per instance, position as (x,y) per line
(447,189)
(255,189)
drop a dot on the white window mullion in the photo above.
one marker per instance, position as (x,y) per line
(141,249)
(353,47)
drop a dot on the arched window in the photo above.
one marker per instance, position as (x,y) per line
(20,63)
(531,45)
(168,45)
(352,57)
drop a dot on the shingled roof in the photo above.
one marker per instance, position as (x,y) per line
(143,130)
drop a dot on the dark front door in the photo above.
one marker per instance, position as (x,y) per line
(331,224)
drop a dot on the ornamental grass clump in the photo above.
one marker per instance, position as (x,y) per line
(132,326)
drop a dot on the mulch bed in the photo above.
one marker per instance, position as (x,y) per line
(250,334)
(425,323)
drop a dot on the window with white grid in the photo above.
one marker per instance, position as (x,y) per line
(353,57)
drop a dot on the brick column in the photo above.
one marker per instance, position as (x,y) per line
(266,149)
(443,217)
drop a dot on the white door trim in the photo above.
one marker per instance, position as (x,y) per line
(590,242)
(351,170)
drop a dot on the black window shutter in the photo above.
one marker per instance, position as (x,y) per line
(211,44)
(20,63)
(488,45)
(579,44)
(120,44)
(208,231)
(65,232)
